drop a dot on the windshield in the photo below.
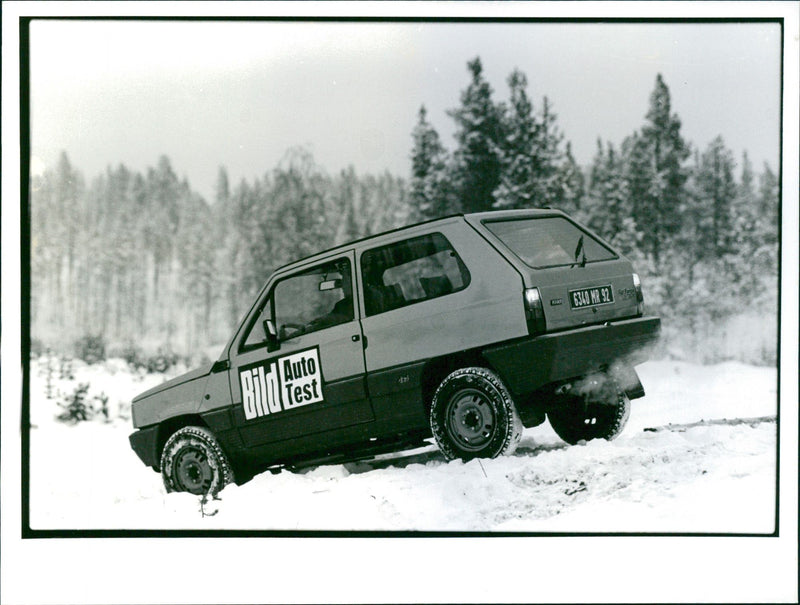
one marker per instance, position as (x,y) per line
(550,241)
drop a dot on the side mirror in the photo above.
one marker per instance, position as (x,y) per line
(272,335)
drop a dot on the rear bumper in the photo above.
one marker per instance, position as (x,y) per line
(145,443)
(532,363)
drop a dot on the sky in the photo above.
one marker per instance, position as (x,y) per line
(240,94)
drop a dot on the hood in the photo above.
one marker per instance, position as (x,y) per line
(187,377)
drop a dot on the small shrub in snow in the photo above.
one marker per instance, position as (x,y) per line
(49,371)
(76,408)
(162,361)
(132,355)
(66,370)
(91,349)
(102,401)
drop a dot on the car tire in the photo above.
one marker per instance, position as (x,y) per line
(193,461)
(474,416)
(577,420)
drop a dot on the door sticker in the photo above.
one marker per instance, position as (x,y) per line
(285,383)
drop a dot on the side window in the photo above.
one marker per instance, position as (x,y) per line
(411,271)
(317,298)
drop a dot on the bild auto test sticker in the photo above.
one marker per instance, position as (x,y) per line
(285,383)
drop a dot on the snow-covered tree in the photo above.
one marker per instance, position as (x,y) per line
(534,172)
(476,169)
(716,191)
(520,165)
(608,208)
(571,184)
(430,194)
(656,176)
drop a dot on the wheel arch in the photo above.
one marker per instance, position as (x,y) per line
(438,369)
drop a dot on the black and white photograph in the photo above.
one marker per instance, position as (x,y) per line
(467,279)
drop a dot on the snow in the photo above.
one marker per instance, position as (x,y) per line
(717,477)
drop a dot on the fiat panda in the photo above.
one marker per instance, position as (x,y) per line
(462,330)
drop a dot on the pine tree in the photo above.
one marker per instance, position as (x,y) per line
(717,191)
(70,214)
(753,231)
(222,188)
(594,210)
(571,184)
(197,274)
(429,195)
(608,205)
(162,193)
(548,150)
(58,219)
(746,203)
(384,203)
(768,203)
(520,166)
(110,252)
(534,172)
(765,259)
(346,206)
(476,169)
(656,174)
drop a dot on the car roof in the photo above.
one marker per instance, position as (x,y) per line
(471,217)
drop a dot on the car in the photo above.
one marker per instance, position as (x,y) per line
(464,330)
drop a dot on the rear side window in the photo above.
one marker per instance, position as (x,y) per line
(411,271)
(550,241)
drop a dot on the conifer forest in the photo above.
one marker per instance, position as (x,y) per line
(143,263)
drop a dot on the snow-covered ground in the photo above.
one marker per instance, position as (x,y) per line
(714,476)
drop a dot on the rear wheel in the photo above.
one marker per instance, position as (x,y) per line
(194,462)
(473,416)
(579,420)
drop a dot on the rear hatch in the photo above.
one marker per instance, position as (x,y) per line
(581,280)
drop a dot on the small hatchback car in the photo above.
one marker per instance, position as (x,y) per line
(465,329)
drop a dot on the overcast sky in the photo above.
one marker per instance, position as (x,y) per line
(239,94)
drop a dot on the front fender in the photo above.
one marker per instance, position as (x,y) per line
(179,399)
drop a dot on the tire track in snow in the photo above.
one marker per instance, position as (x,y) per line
(720,421)
(643,468)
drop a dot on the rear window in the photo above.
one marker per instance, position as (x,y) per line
(551,241)
(411,271)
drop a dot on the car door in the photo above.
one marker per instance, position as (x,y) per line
(311,378)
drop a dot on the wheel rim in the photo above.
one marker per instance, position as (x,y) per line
(471,419)
(193,473)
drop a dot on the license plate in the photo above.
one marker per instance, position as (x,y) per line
(591,297)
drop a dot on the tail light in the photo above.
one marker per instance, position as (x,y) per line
(637,285)
(534,311)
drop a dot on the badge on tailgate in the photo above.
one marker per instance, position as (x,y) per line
(591,297)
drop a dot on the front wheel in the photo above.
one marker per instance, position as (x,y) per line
(194,462)
(579,420)
(473,416)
